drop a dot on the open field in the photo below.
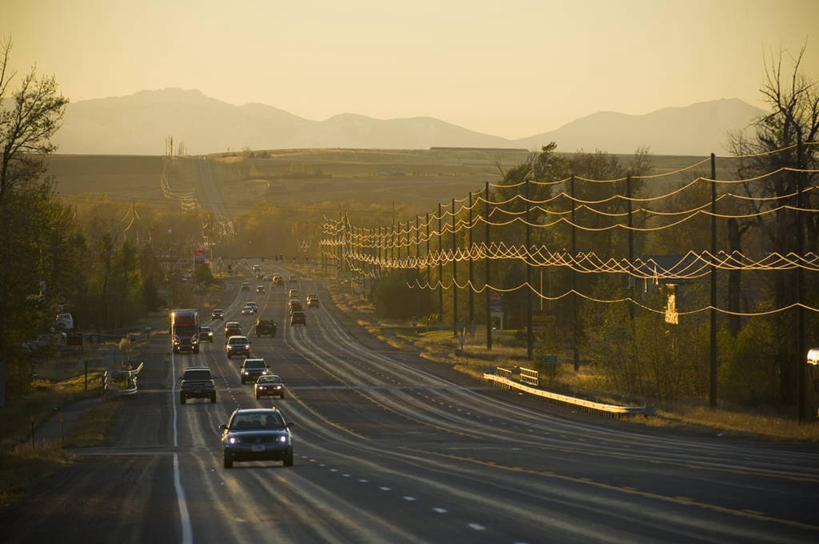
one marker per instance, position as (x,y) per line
(418,179)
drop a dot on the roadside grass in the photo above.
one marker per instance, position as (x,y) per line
(23,464)
(509,351)
(59,383)
(94,424)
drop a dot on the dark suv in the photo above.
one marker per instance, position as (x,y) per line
(252,369)
(265,326)
(237,345)
(232,328)
(196,382)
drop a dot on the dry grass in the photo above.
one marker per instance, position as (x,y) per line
(21,464)
(93,426)
(24,464)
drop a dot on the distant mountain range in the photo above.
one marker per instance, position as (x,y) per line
(139,123)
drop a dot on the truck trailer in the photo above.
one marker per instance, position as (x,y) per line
(185,330)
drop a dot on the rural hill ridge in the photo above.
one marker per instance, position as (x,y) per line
(138,124)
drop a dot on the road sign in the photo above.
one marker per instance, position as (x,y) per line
(549,359)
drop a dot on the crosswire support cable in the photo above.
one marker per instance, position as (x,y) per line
(417,284)
(692,265)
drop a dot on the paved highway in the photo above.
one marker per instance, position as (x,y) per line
(392,448)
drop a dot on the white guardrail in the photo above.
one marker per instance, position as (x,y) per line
(113,378)
(588,404)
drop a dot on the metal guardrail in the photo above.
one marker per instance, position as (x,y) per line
(587,404)
(529,376)
(112,379)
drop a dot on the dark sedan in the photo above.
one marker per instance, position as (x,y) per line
(270,385)
(257,435)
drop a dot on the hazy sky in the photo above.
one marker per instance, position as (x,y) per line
(511,68)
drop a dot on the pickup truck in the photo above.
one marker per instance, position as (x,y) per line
(196,382)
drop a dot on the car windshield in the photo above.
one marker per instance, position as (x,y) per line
(257,420)
(238,340)
(184,330)
(270,379)
(197,375)
(250,363)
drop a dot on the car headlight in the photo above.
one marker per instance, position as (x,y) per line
(232,440)
(283,439)
(264,371)
(245,372)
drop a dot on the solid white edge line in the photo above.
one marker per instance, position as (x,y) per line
(184,517)
(173,400)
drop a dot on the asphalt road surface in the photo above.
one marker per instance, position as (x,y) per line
(392,448)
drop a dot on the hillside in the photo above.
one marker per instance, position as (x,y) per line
(138,125)
(697,129)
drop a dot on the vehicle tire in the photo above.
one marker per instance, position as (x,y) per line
(213,398)
(181,398)
(288,458)
(196,349)
(228,461)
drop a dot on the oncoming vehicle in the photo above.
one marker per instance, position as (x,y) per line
(252,369)
(260,434)
(312,301)
(232,328)
(269,385)
(185,330)
(277,280)
(206,334)
(217,313)
(64,321)
(245,286)
(237,345)
(260,289)
(298,318)
(293,293)
(295,306)
(247,310)
(196,382)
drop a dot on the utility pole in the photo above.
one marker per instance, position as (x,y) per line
(487,276)
(454,276)
(530,337)
(440,268)
(712,397)
(575,298)
(471,267)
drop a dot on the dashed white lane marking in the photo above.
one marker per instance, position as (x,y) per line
(476,526)
(363,480)
(322,465)
(312,460)
(346,475)
(439,510)
(408,498)
(385,488)
(333,470)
